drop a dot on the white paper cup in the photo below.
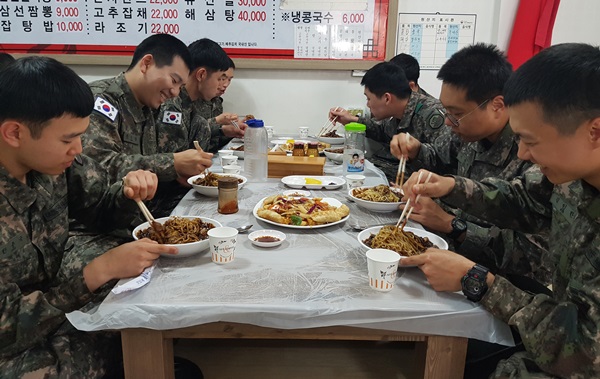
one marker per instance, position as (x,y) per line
(303,131)
(355,180)
(222,153)
(383,266)
(222,242)
(232,169)
(270,131)
(228,160)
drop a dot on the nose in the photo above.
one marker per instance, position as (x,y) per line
(523,152)
(76,147)
(175,91)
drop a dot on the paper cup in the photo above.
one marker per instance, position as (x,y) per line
(355,180)
(222,241)
(228,160)
(232,169)
(222,153)
(303,131)
(383,266)
(270,131)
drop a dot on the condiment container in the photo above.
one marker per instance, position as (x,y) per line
(228,195)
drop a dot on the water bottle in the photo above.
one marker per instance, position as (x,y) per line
(354,149)
(256,146)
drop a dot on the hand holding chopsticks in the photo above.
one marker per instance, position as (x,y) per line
(329,125)
(402,166)
(199,148)
(407,207)
(158,228)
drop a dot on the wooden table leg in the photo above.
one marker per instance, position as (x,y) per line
(444,357)
(147,354)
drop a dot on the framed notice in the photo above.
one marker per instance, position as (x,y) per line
(292,30)
(432,38)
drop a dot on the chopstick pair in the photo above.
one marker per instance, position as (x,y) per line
(329,125)
(402,166)
(199,148)
(406,212)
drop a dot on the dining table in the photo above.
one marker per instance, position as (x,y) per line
(313,286)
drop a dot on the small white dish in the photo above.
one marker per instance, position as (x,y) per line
(313,182)
(267,234)
(237,153)
(333,140)
(335,157)
(297,193)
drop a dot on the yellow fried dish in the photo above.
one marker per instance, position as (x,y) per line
(178,230)
(301,211)
(379,194)
(402,242)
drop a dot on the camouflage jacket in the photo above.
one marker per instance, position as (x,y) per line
(502,250)
(34,225)
(421,119)
(210,110)
(127,139)
(560,333)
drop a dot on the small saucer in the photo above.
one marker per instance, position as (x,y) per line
(273,234)
(296,193)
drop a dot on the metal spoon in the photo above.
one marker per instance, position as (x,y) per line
(244,228)
(360,226)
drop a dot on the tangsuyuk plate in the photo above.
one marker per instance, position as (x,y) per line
(331,201)
(313,182)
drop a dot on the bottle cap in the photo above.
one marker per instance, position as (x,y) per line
(254,123)
(227,182)
(355,127)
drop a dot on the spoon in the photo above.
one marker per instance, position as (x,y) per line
(244,228)
(360,226)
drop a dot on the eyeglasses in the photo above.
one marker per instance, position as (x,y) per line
(456,121)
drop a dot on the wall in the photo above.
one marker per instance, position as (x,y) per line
(288,99)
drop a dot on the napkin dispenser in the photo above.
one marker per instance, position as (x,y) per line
(280,166)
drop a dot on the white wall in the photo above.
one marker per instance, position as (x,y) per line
(288,99)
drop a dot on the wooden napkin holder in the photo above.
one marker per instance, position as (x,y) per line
(280,166)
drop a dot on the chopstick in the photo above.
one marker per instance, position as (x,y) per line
(234,123)
(402,165)
(145,211)
(199,148)
(328,124)
(407,208)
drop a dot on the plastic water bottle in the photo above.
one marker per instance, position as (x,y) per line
(354,149)
(256,147)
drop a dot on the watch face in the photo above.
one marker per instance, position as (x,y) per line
(459,224)
(473,285)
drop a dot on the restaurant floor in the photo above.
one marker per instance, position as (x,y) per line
(272,359)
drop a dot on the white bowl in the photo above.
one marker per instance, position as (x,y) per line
(333,140)
(435,239)
(266,233)
(213,191)
(336,157)
(374,206)
(185,249)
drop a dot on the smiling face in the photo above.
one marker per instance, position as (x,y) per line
(161,83)
(225,80)
(562,158)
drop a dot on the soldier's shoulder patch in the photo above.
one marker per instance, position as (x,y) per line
(172,118)
(435,120)
(105,108)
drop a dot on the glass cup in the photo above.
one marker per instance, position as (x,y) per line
(383,266)
(223,241)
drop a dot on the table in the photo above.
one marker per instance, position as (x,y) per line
(313,286)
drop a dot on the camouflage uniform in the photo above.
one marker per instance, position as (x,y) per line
(424,93)
(35,337)
(560,333)
(421,119)
(498,249)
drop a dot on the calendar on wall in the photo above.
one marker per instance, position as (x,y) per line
(432,38)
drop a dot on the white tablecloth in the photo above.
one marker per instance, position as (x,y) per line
(315,278)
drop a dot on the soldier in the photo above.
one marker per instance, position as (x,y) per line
(123,133)
(5,60)
(44,110)
(412,70)
(395,108)
(559,128)
(473,80)
(199,101)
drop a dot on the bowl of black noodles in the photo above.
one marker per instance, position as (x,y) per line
(187,233)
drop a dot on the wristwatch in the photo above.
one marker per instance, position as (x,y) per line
(474,284)
(459,226)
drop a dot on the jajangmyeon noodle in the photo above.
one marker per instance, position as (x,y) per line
(178,230)
(211,180)
(380,194)
(402,242)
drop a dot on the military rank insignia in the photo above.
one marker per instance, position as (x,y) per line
(435,121)
(172,118)
(104,107)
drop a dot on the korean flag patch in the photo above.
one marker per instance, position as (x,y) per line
(104,107)
(172,118)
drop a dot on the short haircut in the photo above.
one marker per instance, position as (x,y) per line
(480,69)
(564,80)
(163,48)
(35,90)
(387,77)
(410,65)
(208,54)
(5,60)
(230,64)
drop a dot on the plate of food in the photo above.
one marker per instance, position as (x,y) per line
(313,182)
(187,233)
(266,238)
(406,242)
(206,184)
(336,154)
(379,198)
(332,138)
(301,213)
(238,150)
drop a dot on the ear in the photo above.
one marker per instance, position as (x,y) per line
(497,103)
(12,132)
(201,74)
(145,63)
(413,86)
(595,131)
(387,98)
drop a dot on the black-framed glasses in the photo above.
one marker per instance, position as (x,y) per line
(456,121)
